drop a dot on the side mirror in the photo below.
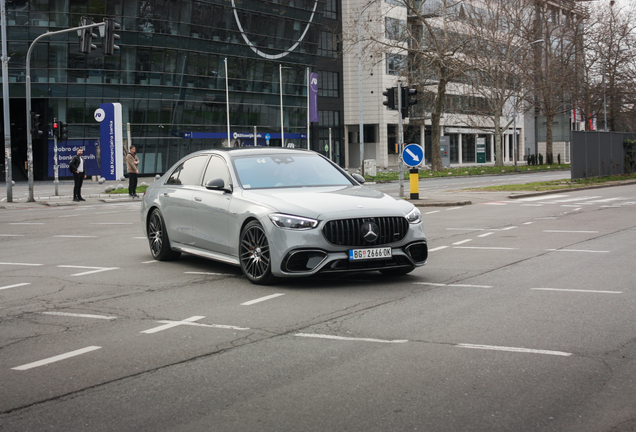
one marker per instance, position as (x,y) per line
(218,184)
(357,177)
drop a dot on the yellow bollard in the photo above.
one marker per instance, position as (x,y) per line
(414,178)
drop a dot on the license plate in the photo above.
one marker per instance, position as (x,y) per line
(375,253)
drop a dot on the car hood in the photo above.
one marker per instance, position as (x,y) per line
(330,202)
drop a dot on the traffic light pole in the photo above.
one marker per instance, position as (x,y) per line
(28,98)
(400,140)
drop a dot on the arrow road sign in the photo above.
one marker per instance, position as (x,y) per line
(413,155)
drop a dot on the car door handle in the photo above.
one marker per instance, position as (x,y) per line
(197,199)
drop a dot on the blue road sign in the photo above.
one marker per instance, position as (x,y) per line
(413,155)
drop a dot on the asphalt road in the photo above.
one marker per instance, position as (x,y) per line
(523,319)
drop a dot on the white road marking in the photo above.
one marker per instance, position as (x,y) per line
(20,264)
(575,250)
(431,212)
(429,283)
(528,223)
(74,236)
(75,315)
(95,269)
(14,286)
(56,358)
(464,229)
(513,349)
(437,248)
(453,208)
(262,299)
(508,228)
(577,199)
(11,235)
(486,235)
(462,242)
(111,223)
(188,321)
(341,338)
(543,198)
(572,232)
(578,290)
(75,215)
(26,223)
(608,200)
(150,262)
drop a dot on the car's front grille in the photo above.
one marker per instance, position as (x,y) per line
(349,232)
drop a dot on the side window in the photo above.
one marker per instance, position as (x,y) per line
(189,172)
(217,169)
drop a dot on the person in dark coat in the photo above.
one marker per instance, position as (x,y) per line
(78,168)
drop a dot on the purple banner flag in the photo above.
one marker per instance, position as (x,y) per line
(313,97)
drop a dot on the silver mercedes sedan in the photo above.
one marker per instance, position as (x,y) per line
(278,212)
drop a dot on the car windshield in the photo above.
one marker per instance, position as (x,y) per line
(280,171)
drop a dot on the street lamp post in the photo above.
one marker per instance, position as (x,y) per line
(361,130)
(514,98)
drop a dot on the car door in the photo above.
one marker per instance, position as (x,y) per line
(210,209)
(176,198)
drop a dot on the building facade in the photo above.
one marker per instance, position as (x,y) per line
(170,75)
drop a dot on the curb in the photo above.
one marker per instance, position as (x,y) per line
(551,192)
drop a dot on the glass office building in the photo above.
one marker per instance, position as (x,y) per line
(170,74)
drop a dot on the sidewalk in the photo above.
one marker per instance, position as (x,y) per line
(44,193)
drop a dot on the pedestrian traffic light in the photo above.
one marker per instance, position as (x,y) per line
(390,95)
(408,99)
(108,42)
(63,131)
(36,125)
(86,36)
(56,129)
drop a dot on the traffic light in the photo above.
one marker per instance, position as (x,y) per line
(390,95)
(86,36)
(408,99)
(36,125)
(63,131)
(108,42)
(56,129)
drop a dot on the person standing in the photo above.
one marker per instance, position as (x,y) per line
(77,167)
(132,166)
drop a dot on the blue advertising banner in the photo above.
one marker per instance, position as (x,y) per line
(65,152)
(313,98)
(109,115)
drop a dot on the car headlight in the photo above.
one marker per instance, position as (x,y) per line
(293,222)
(414,216)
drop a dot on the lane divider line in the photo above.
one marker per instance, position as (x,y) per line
(351,339)
(262,299)
(56,358)
(15,286)
(77,315)
(513,349)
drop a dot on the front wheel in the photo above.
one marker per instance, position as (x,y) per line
(158,238)
(254,254)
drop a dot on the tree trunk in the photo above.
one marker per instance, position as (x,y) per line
(549,121)
(436,114)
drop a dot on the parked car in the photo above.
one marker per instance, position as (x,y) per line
(279,212)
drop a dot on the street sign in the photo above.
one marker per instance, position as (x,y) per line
(413,155)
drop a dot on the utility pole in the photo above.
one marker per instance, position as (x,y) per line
(5,105)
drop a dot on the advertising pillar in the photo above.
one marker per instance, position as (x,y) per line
(109,116)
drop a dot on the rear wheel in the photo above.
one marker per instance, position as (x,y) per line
(158,238)
(254,254)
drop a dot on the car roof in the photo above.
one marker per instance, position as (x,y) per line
(261,150)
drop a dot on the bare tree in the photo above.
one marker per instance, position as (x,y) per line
(493,58)
(431,41)
(556,73)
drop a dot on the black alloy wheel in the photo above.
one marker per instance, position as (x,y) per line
(255,255)
(158,239)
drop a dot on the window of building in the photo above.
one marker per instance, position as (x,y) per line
(328,84)
(394,28)
(395,64)
(331,9)
(327,46)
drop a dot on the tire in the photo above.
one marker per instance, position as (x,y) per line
(158,238)
(254,254)
(397,271)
